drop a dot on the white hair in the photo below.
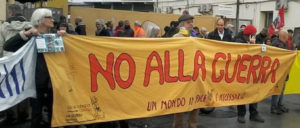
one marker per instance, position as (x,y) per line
(229,25)
(100,21)
(38,15)
(137,23)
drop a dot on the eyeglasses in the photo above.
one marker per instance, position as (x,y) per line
(48,17)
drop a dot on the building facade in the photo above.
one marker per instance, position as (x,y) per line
(129,5)
(260,13)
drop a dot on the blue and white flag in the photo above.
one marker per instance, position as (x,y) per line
(17,76)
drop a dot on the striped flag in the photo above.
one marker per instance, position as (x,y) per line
(17,76)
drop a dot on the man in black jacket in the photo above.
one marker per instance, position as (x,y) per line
(220,33)
(80,27)
(260,38)
(127,31)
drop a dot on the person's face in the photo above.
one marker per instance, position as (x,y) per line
(264,32)
(243,27)
(110,26)
(268,42)
(48,22)
(290,35)
(98,26)
(220,25)
(9,14)
(188,25)
(284,38)
(203,32)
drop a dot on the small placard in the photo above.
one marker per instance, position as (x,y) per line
(263,47)
(47,43)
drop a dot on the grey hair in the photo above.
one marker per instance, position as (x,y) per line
(153,31)
(38,15)
(14,9)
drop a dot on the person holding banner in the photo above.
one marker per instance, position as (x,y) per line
(186,26)
(42,21)
(15,23)
(276,101)
(248,36)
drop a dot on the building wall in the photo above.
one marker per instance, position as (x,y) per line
(161,20)
(2,10)
(56,4)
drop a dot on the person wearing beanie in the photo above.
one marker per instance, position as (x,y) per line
(220,33)
(186,24)
(248,36)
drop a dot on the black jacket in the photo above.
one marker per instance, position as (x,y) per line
(260,38)
(215,35)
(103,32)
(126,33)
(240,38)
(80,29)
(42,77)
(277,43)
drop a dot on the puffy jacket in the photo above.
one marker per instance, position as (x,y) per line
(9,29)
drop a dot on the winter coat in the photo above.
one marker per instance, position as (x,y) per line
(240,38)
(102,32)
(42,77)
(215,35)
(126,33)
(260,38)
(277,43)
(80,29)
(9,29)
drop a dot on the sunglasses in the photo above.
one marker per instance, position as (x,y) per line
(48,17)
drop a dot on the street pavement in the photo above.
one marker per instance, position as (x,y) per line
(225,117)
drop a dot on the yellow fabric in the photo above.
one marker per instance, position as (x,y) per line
(176,88)
(293,84)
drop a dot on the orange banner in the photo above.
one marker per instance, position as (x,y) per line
(106,79)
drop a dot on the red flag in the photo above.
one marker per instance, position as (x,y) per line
(278,23)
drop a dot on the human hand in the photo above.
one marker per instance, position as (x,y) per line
(31,32)
(61,32)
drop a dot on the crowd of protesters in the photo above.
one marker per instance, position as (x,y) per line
(17,30)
